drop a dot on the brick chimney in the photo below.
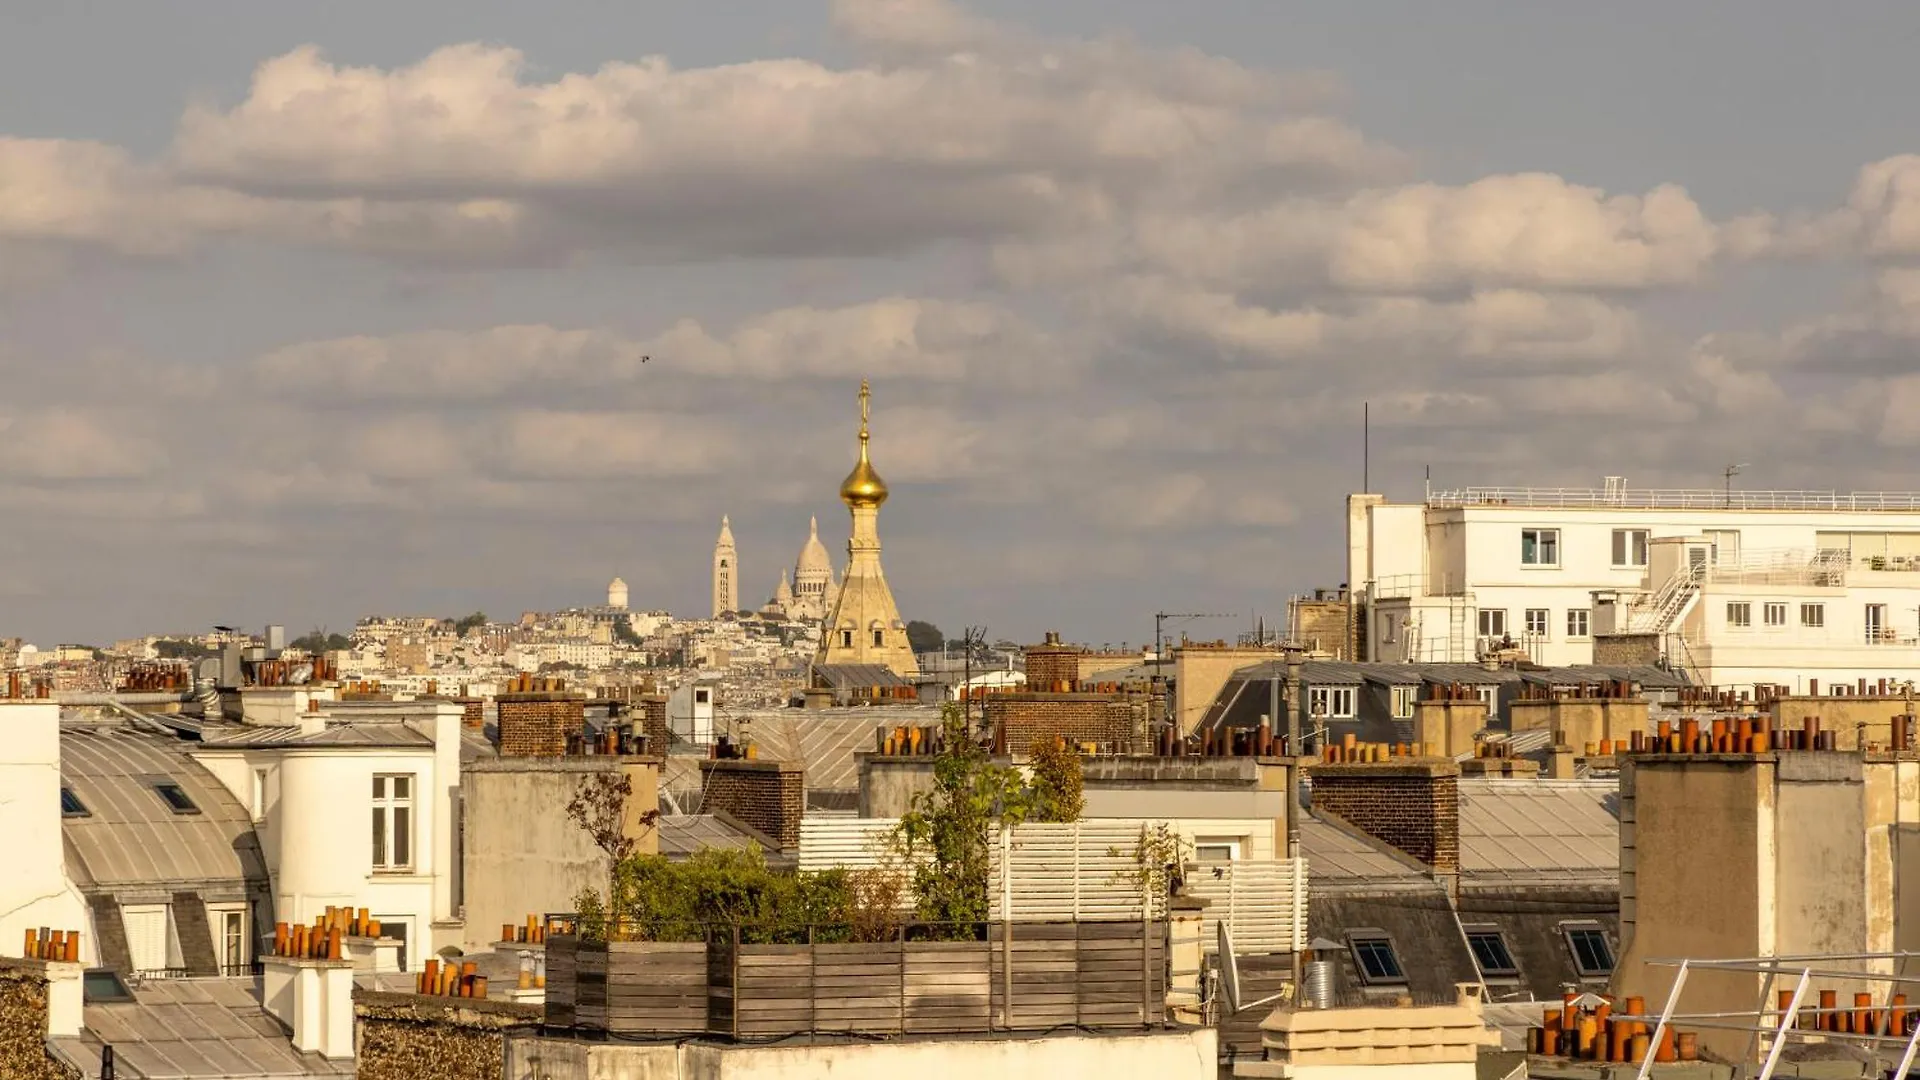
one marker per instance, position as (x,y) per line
(768,795)
(650,712)
(473,712)
(1411,804)
(1020,720)
(1053,667)
(536,722)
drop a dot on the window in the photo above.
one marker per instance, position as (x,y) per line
(230,937)
(1490,697)
(148,939)
(175,797)
(1490,951)
(1776,614)
(1403,699)
(1332,702)
(1739,613)
(1493,622)
(1592,955)
(1215,848)
(1629,547)
(877,639)
(700,695)
(259,794)
(71,806)
(1579,622)
(1814,615)
(1537,622)
(1386,627)
(846,639)
(1878,629)
(1539,547)
(393,822)
(102,986)
(1373,953)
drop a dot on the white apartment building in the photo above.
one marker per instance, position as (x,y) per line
(1734,587)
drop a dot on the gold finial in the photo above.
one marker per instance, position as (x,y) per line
(864,486)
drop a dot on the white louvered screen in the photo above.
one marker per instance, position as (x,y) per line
(146,935)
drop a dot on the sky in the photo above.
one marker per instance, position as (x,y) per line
(309,312)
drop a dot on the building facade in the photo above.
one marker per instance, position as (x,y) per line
(1735,587)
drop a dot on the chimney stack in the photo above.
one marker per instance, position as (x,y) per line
(1412,804)
(769,795)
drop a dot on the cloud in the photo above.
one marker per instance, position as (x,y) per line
(892,337)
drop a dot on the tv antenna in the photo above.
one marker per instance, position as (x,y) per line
(1730,472)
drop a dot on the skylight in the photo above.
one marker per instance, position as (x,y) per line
(70,804)
(176,797)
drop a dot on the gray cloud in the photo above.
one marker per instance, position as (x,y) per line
(1120,303)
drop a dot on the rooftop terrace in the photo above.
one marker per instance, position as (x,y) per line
(1622,497)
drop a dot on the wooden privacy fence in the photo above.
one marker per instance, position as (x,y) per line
(1026,977)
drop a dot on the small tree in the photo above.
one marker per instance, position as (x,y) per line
(945,836)
(469,622)
(599,807)
(1056,793)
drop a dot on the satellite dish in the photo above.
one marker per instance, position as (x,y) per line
(1230,975)
(1229,968)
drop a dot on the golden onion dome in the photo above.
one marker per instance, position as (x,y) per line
(863,486)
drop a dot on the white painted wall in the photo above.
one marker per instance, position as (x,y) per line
(35,891)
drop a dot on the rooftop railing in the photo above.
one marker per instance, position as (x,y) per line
(1678,499)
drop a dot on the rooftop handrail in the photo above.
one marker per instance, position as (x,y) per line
(1677,499)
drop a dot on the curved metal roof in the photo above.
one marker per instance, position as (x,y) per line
(130,835)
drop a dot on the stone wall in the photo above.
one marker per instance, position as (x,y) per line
(23,1026)
(1029,718)
(537,724)
(1412,805)
(769,795)
(413,1037)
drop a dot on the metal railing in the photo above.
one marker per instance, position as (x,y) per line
(1678,499)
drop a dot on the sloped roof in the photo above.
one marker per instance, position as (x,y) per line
(1336,856)
(684,834)
(334,734)
(825,740)
(856,676)
(130,835)
(1544,829)
(189,1029)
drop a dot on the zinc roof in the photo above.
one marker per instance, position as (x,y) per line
(1539,828)
(130,835)
(192,1029)
(334,734)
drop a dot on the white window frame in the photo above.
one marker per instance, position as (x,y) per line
(1740,614)
(220,918)
(169,951)
(1326,702)
(1813,616)
(1490,697)
(1546,548)
(386,804)
(1579,623)
(1403,699)
(1538,617)
(1481,621)
(1217,849)
(1775,612)
(1631,548)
